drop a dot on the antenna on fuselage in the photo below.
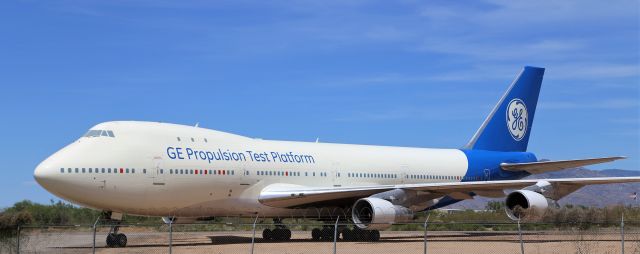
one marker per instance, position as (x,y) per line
(318,140)
(198,123)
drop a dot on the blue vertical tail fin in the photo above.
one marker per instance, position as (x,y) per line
(508,126)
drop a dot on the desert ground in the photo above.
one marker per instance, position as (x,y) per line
(65,241)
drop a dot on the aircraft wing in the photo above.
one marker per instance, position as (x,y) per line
(297,196)
(547,166)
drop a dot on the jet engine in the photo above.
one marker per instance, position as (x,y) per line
(376,213)
(528,204)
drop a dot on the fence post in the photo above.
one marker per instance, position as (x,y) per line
(253,238)
(622,230)
(171,235)
(93,246)
(335,235)
(18,239)
(425,233)
(520,234)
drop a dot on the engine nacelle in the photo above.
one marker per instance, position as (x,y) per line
(528,204)
(376,213)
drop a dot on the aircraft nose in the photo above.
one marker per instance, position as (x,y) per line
(44,174)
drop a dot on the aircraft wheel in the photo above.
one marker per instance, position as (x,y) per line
(374,235)
(327,234)
(277,234)
(357,234)
(267,234)
(347,234)
(286,234)
(111,240)
(121,240)
(364,236)
(315,234)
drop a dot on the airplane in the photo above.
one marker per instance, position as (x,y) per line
(182,173)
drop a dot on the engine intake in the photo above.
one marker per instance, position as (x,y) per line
(376,213)
(527,204)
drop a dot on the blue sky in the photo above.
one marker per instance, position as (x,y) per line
(404,73)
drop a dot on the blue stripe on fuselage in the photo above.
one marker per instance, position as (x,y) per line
(481,162)
(485,166)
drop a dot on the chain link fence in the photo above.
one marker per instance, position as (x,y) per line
(299,237)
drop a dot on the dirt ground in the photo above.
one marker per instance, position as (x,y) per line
(391,242)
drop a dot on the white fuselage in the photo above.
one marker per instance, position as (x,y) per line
(176,170)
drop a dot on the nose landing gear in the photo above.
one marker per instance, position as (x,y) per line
(115,239)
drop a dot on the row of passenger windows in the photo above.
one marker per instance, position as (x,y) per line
(144,171)
(433,177)
(260,173)
(286,173)
(102,170)
(438,177)
(200,172)
(372,175)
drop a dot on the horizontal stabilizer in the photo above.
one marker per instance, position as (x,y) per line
(548,166)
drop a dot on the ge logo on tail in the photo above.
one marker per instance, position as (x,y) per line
(517,119)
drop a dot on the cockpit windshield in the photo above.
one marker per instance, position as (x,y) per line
(99,133)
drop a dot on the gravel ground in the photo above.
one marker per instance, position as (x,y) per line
(391,242)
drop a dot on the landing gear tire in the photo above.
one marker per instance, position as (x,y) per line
(348,235)
(111,240)
(116,240)
(364,235)
(277,234)
(267,234)
(280,233)
(315,234)
(121,240)
(374,235)
(327,234)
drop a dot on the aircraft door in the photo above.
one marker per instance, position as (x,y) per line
(404,170)
(335,174)
(157,172)
(245,176)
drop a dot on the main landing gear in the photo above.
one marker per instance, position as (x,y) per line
(326,233)
(115,239)
(280,233)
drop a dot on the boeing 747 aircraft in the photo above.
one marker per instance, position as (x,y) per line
(182,173)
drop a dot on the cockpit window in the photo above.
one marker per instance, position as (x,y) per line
(98,133)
